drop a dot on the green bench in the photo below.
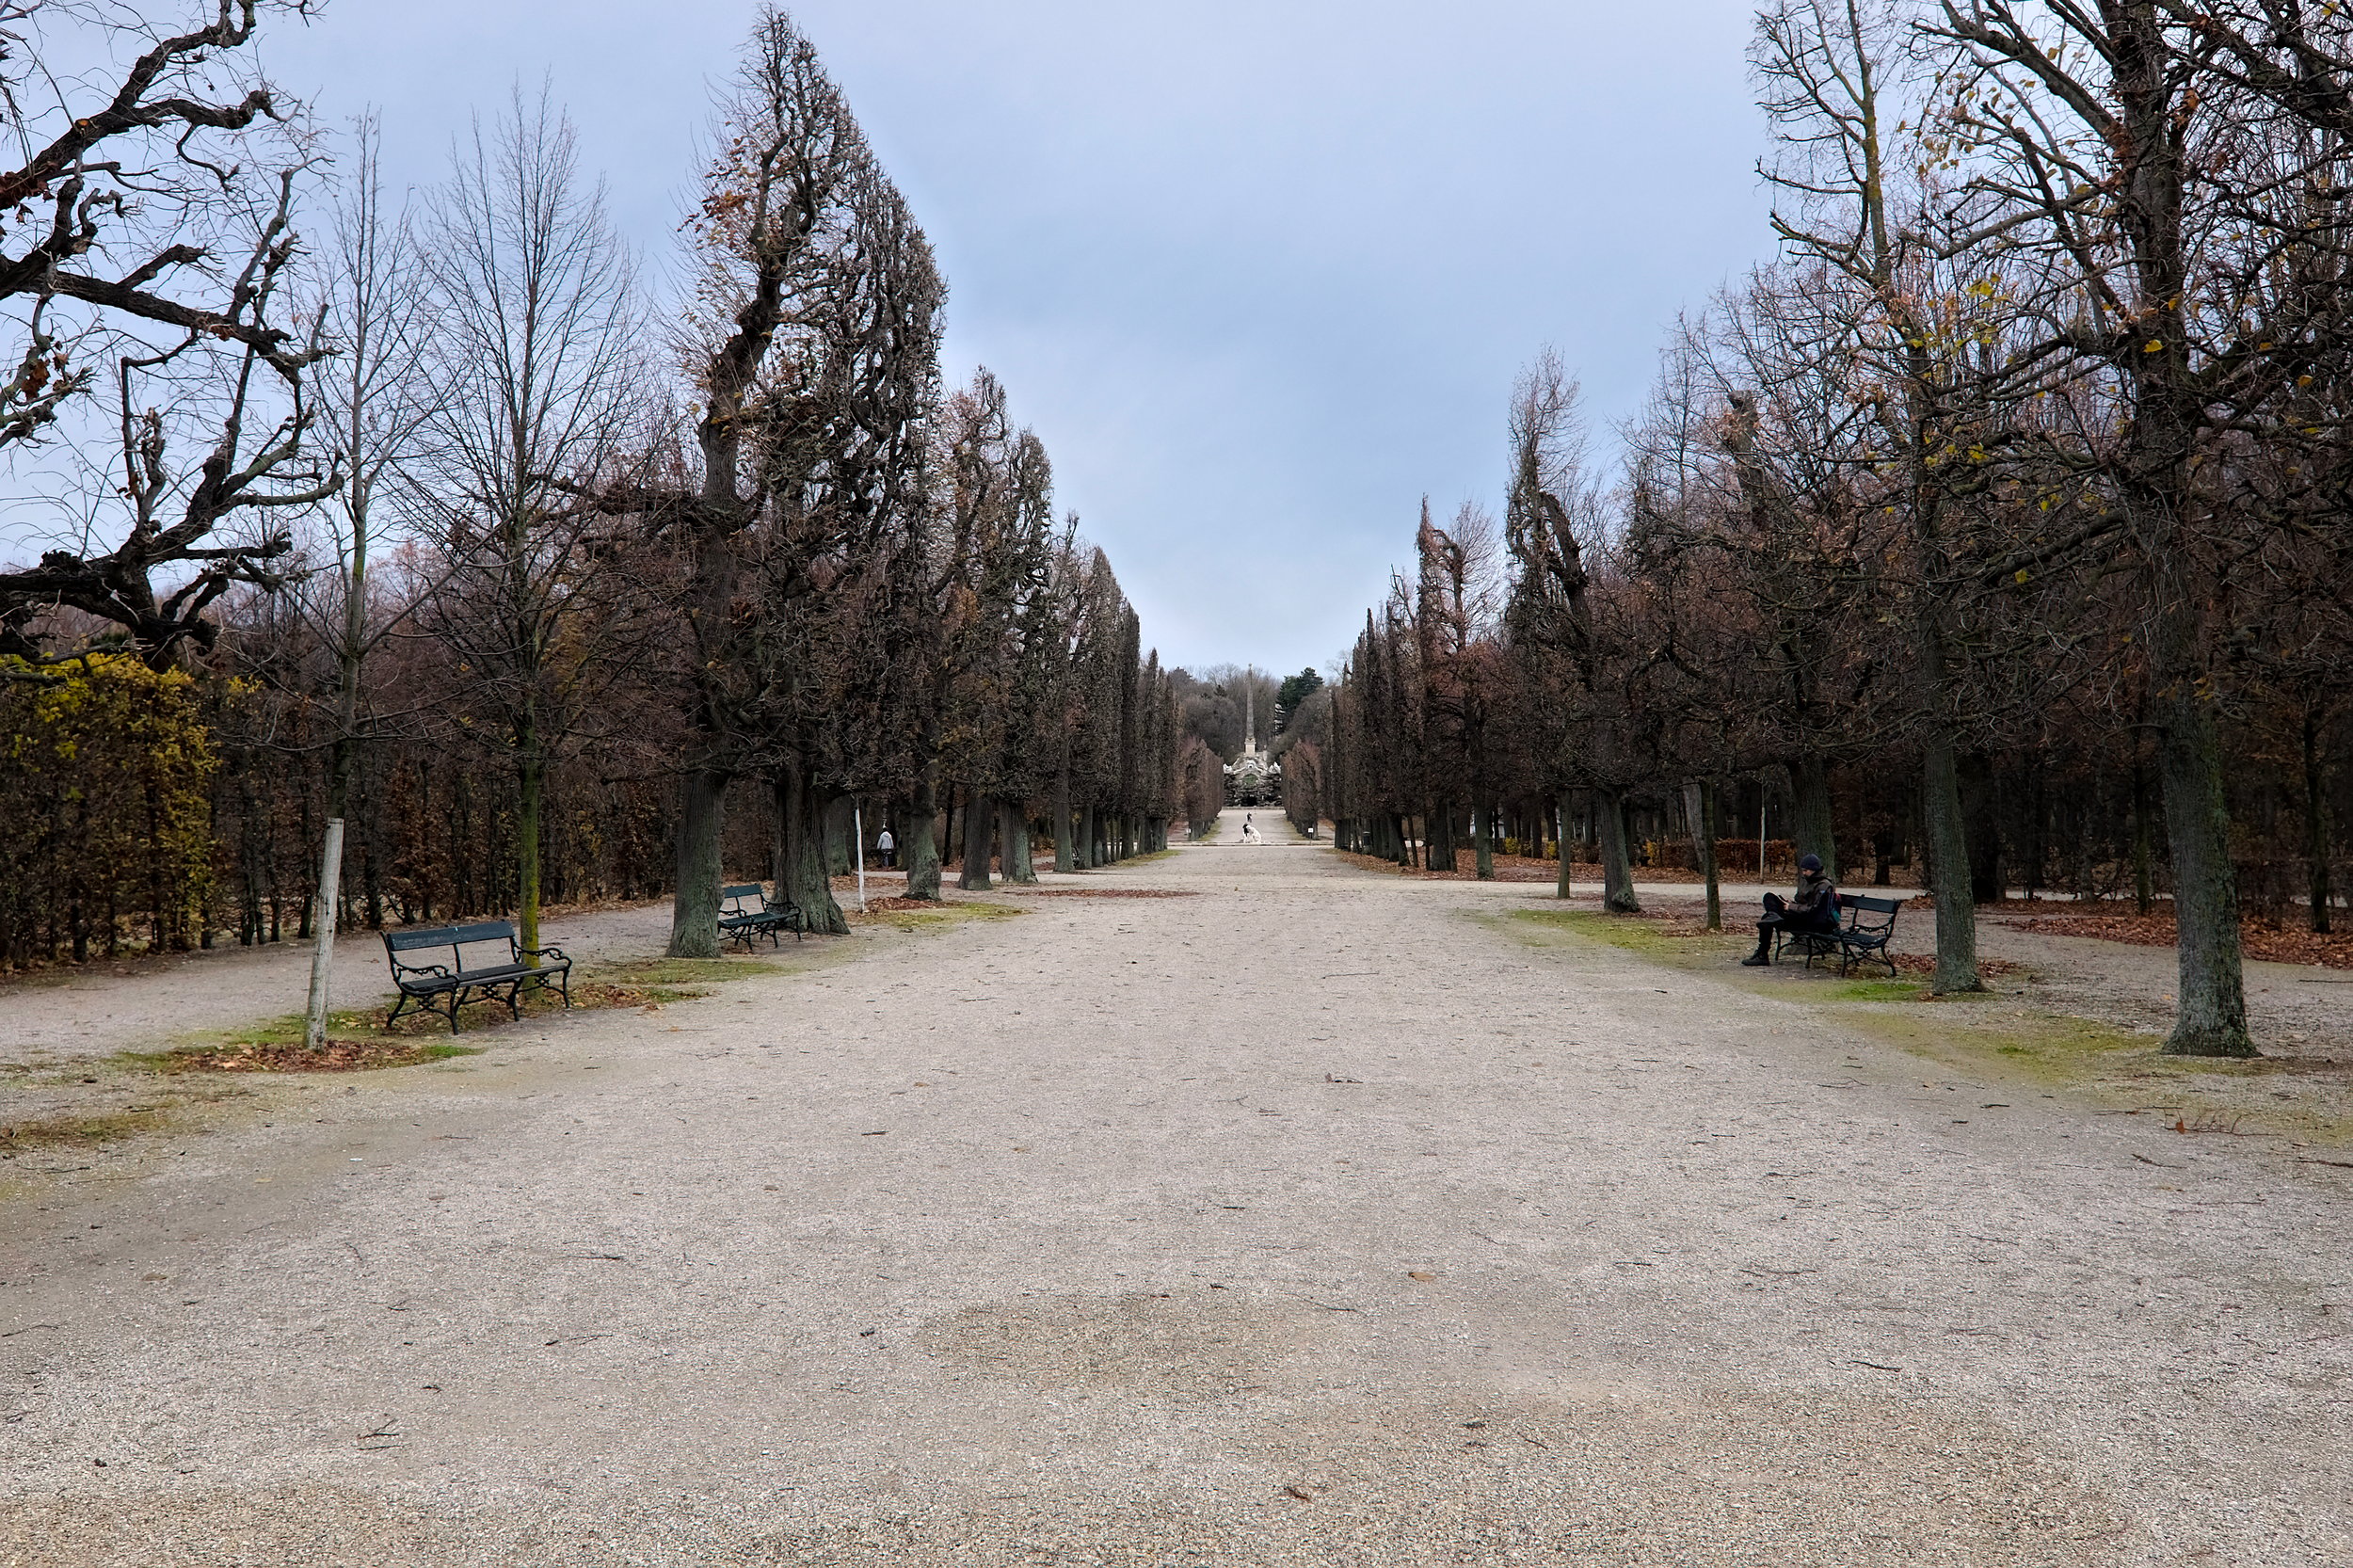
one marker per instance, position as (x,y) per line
(499,974)
(746,913)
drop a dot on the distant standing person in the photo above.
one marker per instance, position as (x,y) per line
(887,847)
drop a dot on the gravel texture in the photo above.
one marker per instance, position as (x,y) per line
(1313,1220)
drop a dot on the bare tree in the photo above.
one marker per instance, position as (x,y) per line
(373,407)
(165,247)
(537,376)
(1825,65)
(2168,195)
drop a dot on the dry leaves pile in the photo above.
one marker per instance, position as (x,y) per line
(2270,944)
(337,1056)
(1924,965)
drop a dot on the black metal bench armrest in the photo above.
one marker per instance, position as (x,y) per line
(546,953)
(441,971)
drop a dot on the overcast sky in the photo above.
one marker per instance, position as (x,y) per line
(1260,274)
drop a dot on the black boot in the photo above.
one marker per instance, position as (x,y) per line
(1762,957)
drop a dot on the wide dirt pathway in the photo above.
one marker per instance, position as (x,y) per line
(1310,1217)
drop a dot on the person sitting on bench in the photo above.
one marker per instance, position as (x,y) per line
(1814,909)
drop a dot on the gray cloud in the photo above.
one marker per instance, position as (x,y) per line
(1260,275)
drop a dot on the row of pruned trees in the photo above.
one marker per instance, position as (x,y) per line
(547,583)
(2000,527)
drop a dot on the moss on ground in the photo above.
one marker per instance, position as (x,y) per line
(1646,935)
(79,1131)
(937,916)
(1996,1036)
(677,978)
(628,983)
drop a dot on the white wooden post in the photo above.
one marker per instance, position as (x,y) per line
(323,930)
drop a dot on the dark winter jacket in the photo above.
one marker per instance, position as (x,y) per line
(1816,902)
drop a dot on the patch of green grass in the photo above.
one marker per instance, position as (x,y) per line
(1995,1035)
(287,1028)
(1872,990)
(1999,1035)
(1630,933)
(681,971)
(667,979)
(940,915)
(625,983)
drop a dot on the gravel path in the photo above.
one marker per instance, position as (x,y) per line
(1320,1218)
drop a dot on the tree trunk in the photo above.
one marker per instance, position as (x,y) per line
(980,833)
(1949,871)
(2211,1018)
(1439,821)
(530,782)
(1066,851)
(2144,875)
(1013,832)
(695,902)
(1483,842)
(1560,842)
(1617,869)
(2316,835)
(1981,819)
(1816,830)
(802,874)
(918,847)
(1699,803)
(841,846)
